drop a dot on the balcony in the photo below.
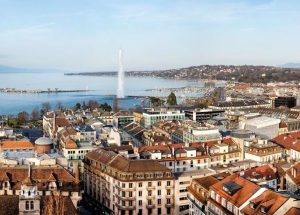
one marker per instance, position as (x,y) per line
(169,195)
(169,186)
(169,205)
(127,207)
(125,198)
(150,188)
(150,197)
(150,206)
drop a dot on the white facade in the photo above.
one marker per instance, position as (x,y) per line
(151,118)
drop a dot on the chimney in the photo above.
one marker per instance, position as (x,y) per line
(76,170)
(294,172)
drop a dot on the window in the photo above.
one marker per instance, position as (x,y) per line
(158,192)
(130,194)
(168,183)
(159,184)
(159,201)
(140,184)
(140,193)
(31,205)
(130,185)
(27,205)
(149,184)
(140,202)
(158,211)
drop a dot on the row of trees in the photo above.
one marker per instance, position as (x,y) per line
(24,117)
(158,102)
(92,105)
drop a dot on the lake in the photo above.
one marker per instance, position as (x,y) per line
(102,89)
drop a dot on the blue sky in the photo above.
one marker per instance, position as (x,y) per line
(154,34)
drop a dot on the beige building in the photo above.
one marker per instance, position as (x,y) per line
(128,186)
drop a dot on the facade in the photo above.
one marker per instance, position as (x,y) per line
(202,114)
(198,194)
(289,102)
(151,116)
(263,151)
(237,105)
(128,186)
(122,118)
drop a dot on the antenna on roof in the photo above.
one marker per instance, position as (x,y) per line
(29,170)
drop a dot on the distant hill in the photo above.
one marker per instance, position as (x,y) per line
(291,65)
(243,73)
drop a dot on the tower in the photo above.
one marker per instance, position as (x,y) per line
(120,91)
(29,199)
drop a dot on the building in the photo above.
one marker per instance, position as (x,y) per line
(293,178)
(198,194)
(268,203)
(288,101)
(152,116)
(230,194)
(16,145)
(43,145)
(264,176)
(243,104)
(128,186)
(263,126)
(122,118)
(263,151)
(34,183)
(290,142)
(202,114)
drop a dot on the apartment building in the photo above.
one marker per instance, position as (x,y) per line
(128,186)
(153,116)
(263,151)
(290,142)
(229,195)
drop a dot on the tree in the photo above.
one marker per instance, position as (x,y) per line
(156,102)
(45,108)
(77,106)
(172,100)
(106,107)
(92,104)
(35,114)
(23,117)
(83,105)
(59,105)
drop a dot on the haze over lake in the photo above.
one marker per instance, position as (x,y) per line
(102,89)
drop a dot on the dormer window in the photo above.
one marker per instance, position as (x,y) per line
(263,209)
(252,205)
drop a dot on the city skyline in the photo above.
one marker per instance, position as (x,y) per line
(72,35)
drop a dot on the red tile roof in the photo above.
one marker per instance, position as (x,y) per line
(270,200)
(264,171)
(239,197)
(17,144)
(289,140)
